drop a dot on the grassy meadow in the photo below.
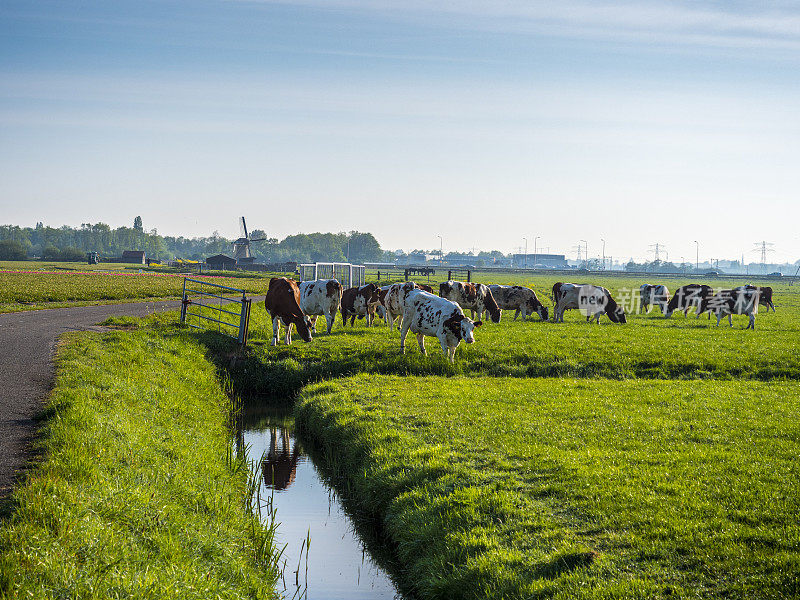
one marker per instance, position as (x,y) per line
(571,488)
(137,494)
(652,459)
(26,285)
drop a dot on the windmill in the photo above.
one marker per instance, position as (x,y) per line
(241,247)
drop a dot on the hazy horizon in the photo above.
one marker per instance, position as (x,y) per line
(480,122)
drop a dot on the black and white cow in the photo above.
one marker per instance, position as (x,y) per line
(764,295)
(738,301)
(426,314)
(521,299)
(360,302)
(653,294)
(320,297)
(687,296)
(477,297)
(592,300)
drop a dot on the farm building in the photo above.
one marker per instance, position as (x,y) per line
(539,259)
(134,256)
(221,262)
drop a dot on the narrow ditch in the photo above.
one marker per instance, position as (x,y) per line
(337,563)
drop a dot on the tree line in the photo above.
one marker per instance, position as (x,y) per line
(72,243)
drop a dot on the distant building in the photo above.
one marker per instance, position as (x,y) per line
(221,262)
(544,260)
(137,257)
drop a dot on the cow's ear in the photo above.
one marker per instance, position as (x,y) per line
(478,323)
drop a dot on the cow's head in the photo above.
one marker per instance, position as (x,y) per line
(467,329)
(614,311)
(303,325)
(409,286)
(544,314)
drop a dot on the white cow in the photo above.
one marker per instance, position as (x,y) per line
(320,297)
(393,302)
(592,300)
(426,314)
(477,297)
(652,294)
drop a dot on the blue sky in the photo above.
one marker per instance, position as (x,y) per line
(481,121)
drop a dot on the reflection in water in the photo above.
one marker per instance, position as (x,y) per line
(336,565)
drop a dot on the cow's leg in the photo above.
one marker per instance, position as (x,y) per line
(403,334)
(752,323)
(330,318)
(730,320)
(313,320)
(288,334)
(276,329)
(421,342)
(516,314)
(719,318)
(353,320)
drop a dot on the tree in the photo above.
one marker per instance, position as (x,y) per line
(137,224)
(12,250)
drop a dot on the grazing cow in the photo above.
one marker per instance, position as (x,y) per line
(474,296)
(426,314)
(738,301)
(360,302)
(592,300)
(283,304)
(651,294)
(320,297)
(522,299)
(764,295)
(393,302)
(687,296)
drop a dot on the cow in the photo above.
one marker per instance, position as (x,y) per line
(743,300)
(687,296)
(522,299)
(764,295)
(426,314)
(283,304)
(360,302)
(593,300)
(320,297)
(652,294)
(380,308)
(393,302)
(429,289)
(474,296)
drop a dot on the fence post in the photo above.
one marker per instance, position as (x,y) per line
(244,320)
(183,303)
(469,274)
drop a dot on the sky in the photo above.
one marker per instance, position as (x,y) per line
(487,124)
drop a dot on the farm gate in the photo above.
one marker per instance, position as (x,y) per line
(205,308)
(347,274)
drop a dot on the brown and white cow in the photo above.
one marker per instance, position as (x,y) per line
(687,296)
(521,299)
(360,302)
(743,300)
(320,297)
(592,300)
(653,294)
(283,304)
(426,314)
(475,296)
(393,302)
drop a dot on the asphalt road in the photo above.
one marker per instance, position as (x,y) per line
(27,343)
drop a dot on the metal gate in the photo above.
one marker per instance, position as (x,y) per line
(233,320)
(347,274)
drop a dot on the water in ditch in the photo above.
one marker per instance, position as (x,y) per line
(337,565)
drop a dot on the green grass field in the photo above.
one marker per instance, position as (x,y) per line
(652,459)
(564,488)
(73,285)
(137,494)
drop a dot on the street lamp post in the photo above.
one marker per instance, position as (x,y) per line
(441,253)
(604,253)
(534,250)
(586,257)
(697,256)
(525,260)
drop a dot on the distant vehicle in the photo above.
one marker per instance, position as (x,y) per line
(776,274)
(711,273)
